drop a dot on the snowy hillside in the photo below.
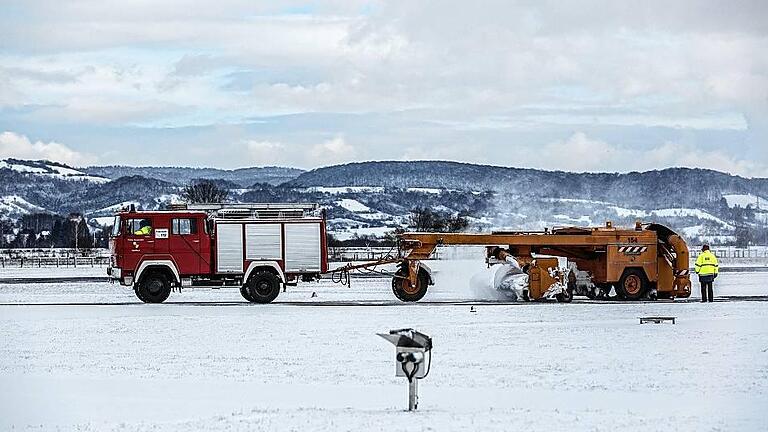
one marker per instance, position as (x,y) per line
(49,169)
(375,198)
(746,200)
(13,207)
(243,177)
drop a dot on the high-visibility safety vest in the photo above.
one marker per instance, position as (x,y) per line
(706,264)
(145,230)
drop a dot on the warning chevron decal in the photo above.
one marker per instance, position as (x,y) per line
(633,250)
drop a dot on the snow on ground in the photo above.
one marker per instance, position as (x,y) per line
(688,212)
(576,200)
(344,189)
(116,207)
(210,361)
(581,220)
(14,206)
(82,270)
(743,201)
(354,206)
(43,168)
(22,168)
(103,221)
(670,212)
(176,198)
(434,191)
(349,233)
(699,232)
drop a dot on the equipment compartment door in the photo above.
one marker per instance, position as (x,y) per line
(263,242)
(229,248)
(302,247)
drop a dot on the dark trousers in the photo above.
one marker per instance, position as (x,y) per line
(706,288)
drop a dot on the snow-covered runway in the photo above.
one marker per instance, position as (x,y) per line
(237,366)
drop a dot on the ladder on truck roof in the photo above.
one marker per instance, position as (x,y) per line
(253,210)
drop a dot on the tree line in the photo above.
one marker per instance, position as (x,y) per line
(45,230)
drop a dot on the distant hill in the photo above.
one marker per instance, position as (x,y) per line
(652,189)
(53,170)
(183,175)
(374,198)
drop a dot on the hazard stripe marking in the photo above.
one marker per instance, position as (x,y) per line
(632,250)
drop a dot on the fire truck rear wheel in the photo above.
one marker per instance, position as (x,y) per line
(632,285)
(244,292)
(404,291)
(137,292)
(154,287)
(263,286)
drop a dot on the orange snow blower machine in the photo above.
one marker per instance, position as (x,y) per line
(647,261)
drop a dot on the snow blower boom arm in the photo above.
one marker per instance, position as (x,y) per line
(648,260)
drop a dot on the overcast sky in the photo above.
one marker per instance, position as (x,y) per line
(571,85)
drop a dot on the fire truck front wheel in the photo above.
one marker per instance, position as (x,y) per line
(263,286)
(154,287)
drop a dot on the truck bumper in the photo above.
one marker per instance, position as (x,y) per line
(116,273)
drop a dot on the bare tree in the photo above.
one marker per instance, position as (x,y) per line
(424,219)
(204,191)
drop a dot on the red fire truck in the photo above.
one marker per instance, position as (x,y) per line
(256,247)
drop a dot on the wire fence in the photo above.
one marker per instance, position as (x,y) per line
(732,252)
(28,258)
(54,257)
(73,261)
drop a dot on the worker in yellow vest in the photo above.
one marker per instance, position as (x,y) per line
(706,268)
(145,229)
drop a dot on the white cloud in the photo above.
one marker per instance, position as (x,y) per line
(266,152)
(13,145)
(581,153)
(583,65)
(332,151)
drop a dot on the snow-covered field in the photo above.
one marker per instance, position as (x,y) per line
(210,361)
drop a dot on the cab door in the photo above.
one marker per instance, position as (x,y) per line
(139,240)
(184,244)
(204,228)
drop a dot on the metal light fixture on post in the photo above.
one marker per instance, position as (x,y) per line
(413,359)
(76,219)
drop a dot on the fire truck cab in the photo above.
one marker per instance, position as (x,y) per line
(257,247)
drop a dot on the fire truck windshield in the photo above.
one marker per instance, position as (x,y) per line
(116,227)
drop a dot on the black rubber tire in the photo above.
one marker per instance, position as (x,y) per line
(632,285)
(422,282)
(263,286)
(244,292)
(591,293)
(154,287)
(565,296)
(137,292)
